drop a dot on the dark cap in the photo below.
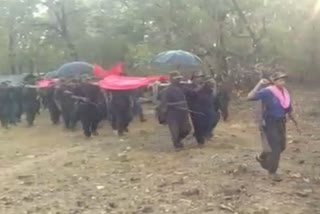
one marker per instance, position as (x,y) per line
(278,75)
(175,75)
(197,74)
(209,79)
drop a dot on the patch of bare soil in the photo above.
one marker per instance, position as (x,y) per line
(46,169)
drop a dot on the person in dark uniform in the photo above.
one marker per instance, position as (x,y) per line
(4,105)
(63,98)
(19,101)
(215,107)
(106,96)
(174,109)
(30,103)
(44,98)
(190,91)
(121,108)
(13,107)
(204,110)
(52,105)
(91,108)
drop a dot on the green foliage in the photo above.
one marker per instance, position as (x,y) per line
(40,35)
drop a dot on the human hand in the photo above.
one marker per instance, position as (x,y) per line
(264,82)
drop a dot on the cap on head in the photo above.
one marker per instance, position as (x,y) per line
(210,80)
(175,75)
(278,75)
(197,74)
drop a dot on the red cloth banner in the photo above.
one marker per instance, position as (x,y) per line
(98,71)
(127,83)
(46,83)
(113,79)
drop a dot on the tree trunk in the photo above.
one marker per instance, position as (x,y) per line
(222,58)
(20,68)
(61,25)
(63,30)
(31,66)
(11,52)
(63,19)
(168,38)
(314,66)
(72,49)
(255,41)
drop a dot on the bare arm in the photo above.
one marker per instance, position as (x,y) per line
(254,91)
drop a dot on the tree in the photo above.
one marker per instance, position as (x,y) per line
(14,15)
(230,35)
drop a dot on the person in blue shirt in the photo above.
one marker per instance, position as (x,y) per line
(277,107)
(259,108)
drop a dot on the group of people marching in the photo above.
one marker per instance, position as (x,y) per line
(16,100)
(200,102)
(80,99)
(184,106)
(197,100)
(83,100)
(70,101)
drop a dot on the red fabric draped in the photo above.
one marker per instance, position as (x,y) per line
(113,79)
(127,83)
(46,83)
(100,72)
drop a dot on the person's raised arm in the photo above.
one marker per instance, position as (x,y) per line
(253,93)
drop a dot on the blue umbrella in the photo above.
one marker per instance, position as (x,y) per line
(177,58)
(74,69)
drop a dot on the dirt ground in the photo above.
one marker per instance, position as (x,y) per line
(45,169)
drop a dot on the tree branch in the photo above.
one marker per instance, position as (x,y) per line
(264,29)
(242,36)
(245,21)
(49,26)
(79,10)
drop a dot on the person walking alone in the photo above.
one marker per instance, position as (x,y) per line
(277,106)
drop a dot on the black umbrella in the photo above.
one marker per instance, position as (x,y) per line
(75,69)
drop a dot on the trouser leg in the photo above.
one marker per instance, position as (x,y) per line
(31,114)
(175,134)
(276,136)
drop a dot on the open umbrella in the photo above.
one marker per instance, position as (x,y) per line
(74,69)
(177,58)
(183,61)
